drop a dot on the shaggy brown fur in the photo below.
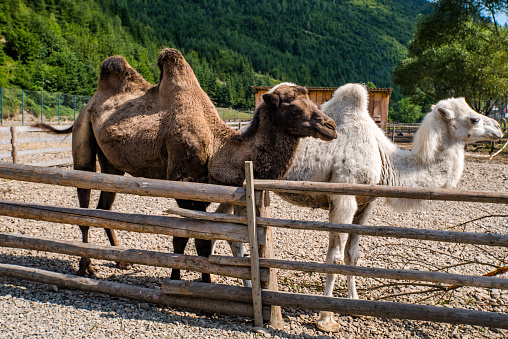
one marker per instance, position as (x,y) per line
(172,131)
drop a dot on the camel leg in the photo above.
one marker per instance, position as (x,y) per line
(237,248)
(84,150)
(203,247)
(106,200)
(342,209)
(352,250)
(179,245)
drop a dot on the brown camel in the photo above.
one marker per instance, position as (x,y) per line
(172,131)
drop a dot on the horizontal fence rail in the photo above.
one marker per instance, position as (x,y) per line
(382,191)
(128,291)
(123,184)
(489,239)
(341,305)
(142,223)
(396,274)
(133,256)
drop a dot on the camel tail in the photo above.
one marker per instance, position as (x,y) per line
(52,129)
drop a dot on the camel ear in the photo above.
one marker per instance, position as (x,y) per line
(271,99)
(445,113)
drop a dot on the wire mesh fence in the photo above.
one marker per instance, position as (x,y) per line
(27,106)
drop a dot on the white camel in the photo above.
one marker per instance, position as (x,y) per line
(362,154)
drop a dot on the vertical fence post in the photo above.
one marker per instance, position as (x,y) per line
(1,105)
(251,112)
(22,107)
(58,107)
(223,118)
(14,152)
(253,243)
(267,251)
(42,102)
(237,114)
(74,108)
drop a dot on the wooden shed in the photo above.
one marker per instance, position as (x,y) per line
(379,100)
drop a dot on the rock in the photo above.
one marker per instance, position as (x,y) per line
(144,306)
(263,331)
(51,288)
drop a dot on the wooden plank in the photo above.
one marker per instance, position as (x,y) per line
(382,191)
(343,305)
(179,227)
(14,152)
(56,162)
(46,139)
(45,150)
(257,303)
(26,129)
(396,274)
(488,239)
(128,291)
(133,256)
(267,251)
(120,184)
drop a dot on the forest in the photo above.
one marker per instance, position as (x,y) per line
(58,45)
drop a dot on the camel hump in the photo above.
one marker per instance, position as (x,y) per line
(117,76)
(172,65)
(354,96)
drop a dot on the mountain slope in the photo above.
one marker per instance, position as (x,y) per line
(231,44)
(312,42)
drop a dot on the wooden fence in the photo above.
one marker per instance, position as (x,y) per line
(404,134)
(262,301)
(28,135)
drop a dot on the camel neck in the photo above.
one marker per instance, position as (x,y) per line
(271,150)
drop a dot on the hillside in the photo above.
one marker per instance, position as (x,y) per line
(231,44)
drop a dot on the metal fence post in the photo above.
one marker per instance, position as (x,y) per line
(1,105)
(58,107)
(42,103)
(237,114)
(22,107)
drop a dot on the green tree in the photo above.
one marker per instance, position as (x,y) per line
(405,111)
(471,65)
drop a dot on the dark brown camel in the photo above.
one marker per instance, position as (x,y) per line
(172,131)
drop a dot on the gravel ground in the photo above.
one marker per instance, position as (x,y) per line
(30,310)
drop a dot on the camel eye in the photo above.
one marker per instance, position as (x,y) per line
(295,110)
(474,121)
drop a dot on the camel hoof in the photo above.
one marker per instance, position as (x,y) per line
(81,272)
(328,325)
(175,275)
(123,265)
(208,278)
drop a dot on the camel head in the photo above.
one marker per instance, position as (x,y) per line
(295,113)
(464,123)
(452,121)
